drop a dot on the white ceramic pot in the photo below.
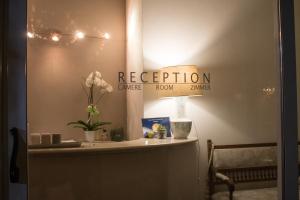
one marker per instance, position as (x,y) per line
(181,128)
(90,136)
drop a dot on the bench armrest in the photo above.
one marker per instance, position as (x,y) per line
(228,181)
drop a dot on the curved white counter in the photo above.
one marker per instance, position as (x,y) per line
(142,143)
(144,169)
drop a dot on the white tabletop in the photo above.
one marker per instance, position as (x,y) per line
(142,143)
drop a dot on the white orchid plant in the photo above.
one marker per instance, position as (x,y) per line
(94,87)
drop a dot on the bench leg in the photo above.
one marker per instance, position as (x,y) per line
(231,190)
(210,193)
(231,195)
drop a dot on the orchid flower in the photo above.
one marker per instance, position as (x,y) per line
(94,82)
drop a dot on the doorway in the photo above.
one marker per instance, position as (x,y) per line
(238,47)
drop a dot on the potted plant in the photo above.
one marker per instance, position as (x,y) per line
(162,132)
(94,87)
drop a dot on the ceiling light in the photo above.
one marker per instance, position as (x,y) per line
(30,35)
(55,37)
(106,36)
(79,35)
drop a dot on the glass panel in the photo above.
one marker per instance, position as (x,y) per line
(207,69)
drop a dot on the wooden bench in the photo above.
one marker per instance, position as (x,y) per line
(240,163)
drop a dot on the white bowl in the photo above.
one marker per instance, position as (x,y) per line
(181,128)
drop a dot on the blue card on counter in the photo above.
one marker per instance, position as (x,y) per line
(150,125)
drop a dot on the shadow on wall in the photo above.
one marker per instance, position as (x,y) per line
(236,42)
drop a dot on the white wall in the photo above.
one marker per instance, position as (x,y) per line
(234,41)
(55,71)
(134,63)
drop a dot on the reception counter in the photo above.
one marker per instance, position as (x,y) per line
(143,169)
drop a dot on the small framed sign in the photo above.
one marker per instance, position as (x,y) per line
(151,126)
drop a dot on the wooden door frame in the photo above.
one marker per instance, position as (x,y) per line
(12,92)
(288,150)
(4,182)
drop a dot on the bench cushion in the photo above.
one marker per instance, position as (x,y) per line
(245,157)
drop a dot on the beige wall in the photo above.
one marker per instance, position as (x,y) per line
(234,41)
(55,71)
